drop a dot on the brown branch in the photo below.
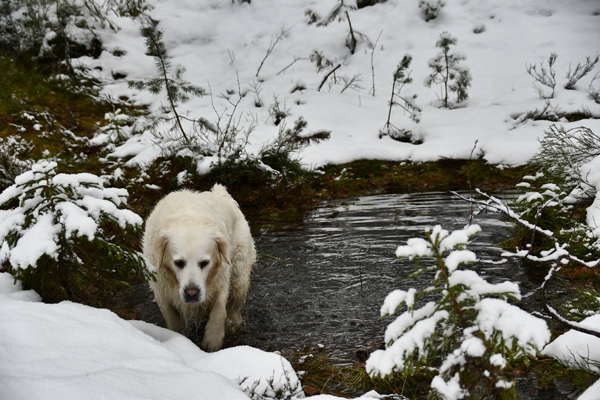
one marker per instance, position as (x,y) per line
(327,76)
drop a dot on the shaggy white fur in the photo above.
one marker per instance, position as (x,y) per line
(203,252)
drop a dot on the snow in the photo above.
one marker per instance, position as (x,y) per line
(216,43)
(395,299)
(458,257)
(450,390)
(580,351)
(529,332)
(407,339)
(477,286)
(36,241)
(72,351)
(69,351)
(574,348)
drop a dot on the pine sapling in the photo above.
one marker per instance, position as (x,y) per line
(340,12)
(461,327)
(292,140)
(447,71)
(401,78)
(169,79)
(62,233)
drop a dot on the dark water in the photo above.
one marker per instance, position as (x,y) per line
(321,283)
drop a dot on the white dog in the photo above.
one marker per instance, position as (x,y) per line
(201,246)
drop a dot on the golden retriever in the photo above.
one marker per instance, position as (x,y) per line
(203,252)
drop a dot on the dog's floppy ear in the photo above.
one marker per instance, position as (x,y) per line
(223,247)
(162,250)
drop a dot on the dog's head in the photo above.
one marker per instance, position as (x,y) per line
(194,255)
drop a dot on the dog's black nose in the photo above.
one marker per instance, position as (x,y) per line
(192,295)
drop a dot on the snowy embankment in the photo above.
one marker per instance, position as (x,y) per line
(223,44)
(71,351)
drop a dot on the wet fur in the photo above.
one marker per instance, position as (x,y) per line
(207,225)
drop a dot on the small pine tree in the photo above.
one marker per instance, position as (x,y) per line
(63,235)
(401,78)
(460,328)
(168,79)
(447,71)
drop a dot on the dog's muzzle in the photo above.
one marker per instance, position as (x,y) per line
(191,294)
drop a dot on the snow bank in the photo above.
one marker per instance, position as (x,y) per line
(71,351)
(220,42)
(579,351)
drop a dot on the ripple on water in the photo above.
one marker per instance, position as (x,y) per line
(324,282)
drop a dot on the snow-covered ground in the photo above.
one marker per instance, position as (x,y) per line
(219,42)
(70,351)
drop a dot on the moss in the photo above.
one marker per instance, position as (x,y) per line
(551,373)
(364,177)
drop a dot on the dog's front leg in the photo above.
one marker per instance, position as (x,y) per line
(172,317)
(215,327)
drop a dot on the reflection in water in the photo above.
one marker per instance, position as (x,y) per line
(324,282)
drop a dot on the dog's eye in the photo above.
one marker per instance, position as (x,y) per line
(203,263)
(179,263)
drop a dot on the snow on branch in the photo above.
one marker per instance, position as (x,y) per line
(460,319)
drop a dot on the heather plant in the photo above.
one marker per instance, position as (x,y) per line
(277,112)
(544,77)
(447,71)
(65,235)
(594,88)
(581,70)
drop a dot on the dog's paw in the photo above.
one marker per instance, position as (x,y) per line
(234,321)
(211,344)
(213,336)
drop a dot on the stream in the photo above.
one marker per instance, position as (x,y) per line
(321,283)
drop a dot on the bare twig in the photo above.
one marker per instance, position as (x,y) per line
(327,76)
(469,181)
(372,64)
(292,63)
(272,46)
(353,48)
